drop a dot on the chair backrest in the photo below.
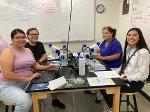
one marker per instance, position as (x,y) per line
(130,94)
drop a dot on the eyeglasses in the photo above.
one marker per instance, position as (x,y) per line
(34,34)
(18,37)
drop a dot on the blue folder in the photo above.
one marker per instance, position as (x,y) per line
(39,86)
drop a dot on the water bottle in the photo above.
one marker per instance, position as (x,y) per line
(55,50)
(81,66)
(64,56)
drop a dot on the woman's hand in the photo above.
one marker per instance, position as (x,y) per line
(125,78)
(35,75)
(99,57)
(97,50)
(53,67)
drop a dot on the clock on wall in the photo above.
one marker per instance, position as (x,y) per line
(100,8)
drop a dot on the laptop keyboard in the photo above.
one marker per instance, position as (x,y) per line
(46,76)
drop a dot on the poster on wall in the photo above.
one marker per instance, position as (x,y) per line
(125,9)
(141,17)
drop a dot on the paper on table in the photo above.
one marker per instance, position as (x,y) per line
(50,57)
(99,67)
(57,83)
(56,63)
(107,74)
(97,81)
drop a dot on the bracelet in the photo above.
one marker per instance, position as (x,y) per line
(39,62)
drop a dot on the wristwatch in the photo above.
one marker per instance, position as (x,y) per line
(39,62)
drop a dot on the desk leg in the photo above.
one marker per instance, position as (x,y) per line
(74,105)
(116,100)
(35,97)
(35,103)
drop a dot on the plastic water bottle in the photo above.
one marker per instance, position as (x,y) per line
(81,66)
(64,56)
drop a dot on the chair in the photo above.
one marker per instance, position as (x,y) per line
(7,105)
(134,107)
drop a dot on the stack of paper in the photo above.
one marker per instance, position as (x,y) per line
(97,81)
(57,83)
(107,74)
(99,67)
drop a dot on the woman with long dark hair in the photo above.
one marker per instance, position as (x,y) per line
(135,65)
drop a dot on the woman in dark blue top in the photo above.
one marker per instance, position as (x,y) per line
(110,49)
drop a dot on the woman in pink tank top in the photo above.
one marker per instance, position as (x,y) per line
(17,64)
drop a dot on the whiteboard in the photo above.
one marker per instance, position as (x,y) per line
(50,17)
(141,17)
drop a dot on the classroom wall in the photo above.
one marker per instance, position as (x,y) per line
(124,22)
(109,18)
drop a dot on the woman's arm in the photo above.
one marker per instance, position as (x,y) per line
(46,67)
(109,58)
(43,58)
(43,52)
(7,61)
(38,66)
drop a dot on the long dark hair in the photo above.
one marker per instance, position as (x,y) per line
(15,31)
(141,44)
